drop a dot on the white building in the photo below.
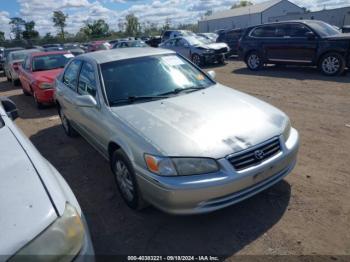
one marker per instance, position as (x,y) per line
(338,17)
(243,17)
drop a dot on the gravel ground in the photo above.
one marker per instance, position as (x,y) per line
(306,214)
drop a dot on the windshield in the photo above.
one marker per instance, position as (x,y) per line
(50,62)
(21,55)
(195,40)
(323,29)
(150,76)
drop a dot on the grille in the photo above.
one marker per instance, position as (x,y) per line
(221,50)
(256,155)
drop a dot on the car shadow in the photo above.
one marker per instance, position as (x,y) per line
(294,72)
(27,108)
(116,229)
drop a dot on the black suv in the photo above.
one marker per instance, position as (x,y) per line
(307,42)
(231,38)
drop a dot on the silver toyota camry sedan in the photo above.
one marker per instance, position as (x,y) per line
(174,137)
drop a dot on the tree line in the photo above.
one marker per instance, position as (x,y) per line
(24,31)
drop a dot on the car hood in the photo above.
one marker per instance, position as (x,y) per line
(26,209)
(345,36)
(48,75)
(214,122)
(214,46)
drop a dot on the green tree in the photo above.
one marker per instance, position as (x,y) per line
(241,3)
(2,36)
(167,24)
(29,32)
(17,25)
(98,28)
(59,20)
(208,13)
(132,25)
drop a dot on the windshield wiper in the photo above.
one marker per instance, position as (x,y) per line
(132,99)
(187,89)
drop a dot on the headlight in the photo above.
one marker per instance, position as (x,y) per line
(61,241)
(209,51)
(45,85)
(181,166)
(286,130)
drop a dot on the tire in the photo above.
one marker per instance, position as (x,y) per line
(26,93)
(221,60)
(197,60)
(125,178)
(68,129)
(254,61)
(15,82)
(332,64)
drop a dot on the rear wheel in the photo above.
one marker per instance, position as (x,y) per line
(254,61)
(332,64)
(25,92)
(68,129)
(15,82)
(126,181)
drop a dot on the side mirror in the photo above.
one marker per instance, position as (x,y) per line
(85,101)
(212,74)
(10,108)
(310,35)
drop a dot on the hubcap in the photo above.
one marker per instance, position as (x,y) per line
(331,65)
(196,60)
(124,180)
(253,61)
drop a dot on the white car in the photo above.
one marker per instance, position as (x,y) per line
(39,213)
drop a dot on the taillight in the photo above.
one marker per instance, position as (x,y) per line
(15,66)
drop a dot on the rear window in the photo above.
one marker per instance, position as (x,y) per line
(50,62)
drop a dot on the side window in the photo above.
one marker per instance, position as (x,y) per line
(264,31)
(71,74)
(87,80)
(298,30)
(281,30)
(170,43)
(181,42)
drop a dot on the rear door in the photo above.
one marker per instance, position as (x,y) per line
(24,74)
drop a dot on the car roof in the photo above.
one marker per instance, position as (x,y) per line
(49,53)
(105,56)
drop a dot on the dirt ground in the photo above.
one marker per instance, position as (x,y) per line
(306,214)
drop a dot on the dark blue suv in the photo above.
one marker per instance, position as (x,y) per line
(307,42)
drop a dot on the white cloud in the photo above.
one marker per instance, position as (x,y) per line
(178,11)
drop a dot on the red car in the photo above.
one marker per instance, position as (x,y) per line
(38,72)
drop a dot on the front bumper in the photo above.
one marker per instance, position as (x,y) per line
(209,192)
(212,58)
(45,95)
(87,252)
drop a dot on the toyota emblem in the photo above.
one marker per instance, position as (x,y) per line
(259,154)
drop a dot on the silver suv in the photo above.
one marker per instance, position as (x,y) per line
(174,137)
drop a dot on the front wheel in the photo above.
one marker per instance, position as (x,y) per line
(126,181)
(254,61)
(332,64)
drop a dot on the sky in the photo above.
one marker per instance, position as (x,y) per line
(114,11)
